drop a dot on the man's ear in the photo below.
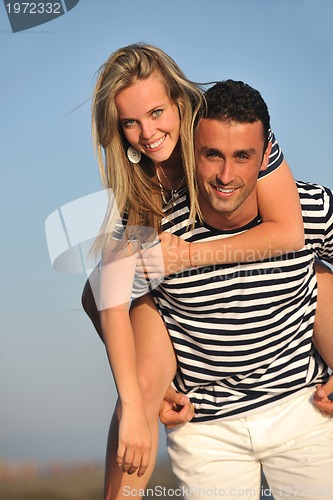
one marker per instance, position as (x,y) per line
(265,158)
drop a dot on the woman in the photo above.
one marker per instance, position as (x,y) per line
(144,112)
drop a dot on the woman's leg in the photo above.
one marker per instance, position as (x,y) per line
(156,368)
(323,329)
(89,304)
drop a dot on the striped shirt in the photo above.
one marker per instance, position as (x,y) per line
(242,332)
(275,158)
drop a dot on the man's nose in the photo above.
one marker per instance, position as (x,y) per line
(226,174)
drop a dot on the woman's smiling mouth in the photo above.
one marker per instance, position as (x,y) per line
(156,144)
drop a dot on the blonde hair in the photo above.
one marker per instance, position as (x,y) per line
(134,191)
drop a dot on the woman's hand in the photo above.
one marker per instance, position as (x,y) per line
(170,256)
(134,443)
(176,253)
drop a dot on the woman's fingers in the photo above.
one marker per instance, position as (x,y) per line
(144,463)
(133,461)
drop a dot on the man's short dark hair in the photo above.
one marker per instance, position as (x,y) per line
(231,100)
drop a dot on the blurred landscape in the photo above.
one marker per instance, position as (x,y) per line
(84,481)
(27,481)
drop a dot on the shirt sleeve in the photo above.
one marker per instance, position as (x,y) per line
(325,251)
(275,158)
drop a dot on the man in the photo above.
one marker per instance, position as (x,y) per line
(243,333)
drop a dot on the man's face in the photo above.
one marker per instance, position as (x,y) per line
(229,156)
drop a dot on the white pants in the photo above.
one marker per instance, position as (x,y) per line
(293,442)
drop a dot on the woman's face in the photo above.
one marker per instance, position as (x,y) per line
(149,118)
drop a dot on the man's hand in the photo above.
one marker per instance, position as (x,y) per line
(176,409)
(321,398)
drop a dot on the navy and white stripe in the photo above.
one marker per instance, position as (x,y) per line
(243,332)
(275,158)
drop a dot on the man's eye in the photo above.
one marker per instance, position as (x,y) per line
(242,157)
(212,155)
(156,113)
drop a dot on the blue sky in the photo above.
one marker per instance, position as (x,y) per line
(56,388)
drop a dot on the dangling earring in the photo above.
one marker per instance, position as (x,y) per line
(133,155)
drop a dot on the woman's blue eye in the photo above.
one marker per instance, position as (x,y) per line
(157,112)
(128,123)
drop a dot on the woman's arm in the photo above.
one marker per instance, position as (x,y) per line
(134,435)
(280,232)
(115,287)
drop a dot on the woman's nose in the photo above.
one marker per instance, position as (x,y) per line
(148,129)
